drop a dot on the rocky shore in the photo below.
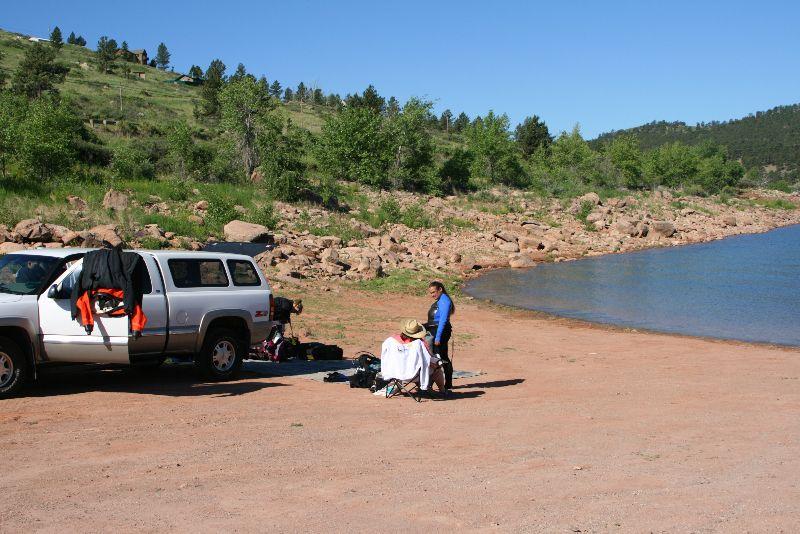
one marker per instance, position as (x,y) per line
(495,229)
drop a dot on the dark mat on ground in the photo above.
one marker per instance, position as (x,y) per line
(317,369)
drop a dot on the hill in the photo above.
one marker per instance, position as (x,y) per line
(767,139)
(141,99)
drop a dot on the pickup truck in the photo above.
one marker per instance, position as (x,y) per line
(206,306)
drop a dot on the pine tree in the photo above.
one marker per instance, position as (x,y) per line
(275,89)
(71,38)
(372,100)
(196,72)
(106,53)
(300,94)
(240,73)
(215,78)
(162,57)
(56,41)
(263,86)
(288,95)
(446,120)
(461,122)
(532,134)
(319,98)
(392,107)
(38,72)
(124,46)
(80,41)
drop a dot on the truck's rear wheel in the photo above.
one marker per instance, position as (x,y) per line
(13,368)
(222,354)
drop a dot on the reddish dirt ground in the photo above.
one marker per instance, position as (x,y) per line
(572,428)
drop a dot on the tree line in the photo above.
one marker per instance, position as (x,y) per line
(242,132)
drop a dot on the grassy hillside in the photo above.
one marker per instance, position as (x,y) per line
(768,139)
(138,102)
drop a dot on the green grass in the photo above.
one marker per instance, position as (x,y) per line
(775,203)
(335,225)
(410,282)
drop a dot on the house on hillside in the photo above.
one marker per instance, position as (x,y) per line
(141,56)
(185,79)
(134,56)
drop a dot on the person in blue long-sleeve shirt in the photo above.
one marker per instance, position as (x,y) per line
(439,325)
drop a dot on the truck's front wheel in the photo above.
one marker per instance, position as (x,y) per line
(13,368)
(222,354)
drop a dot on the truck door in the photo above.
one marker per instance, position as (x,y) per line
(65,340)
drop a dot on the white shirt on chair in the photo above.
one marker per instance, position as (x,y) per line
(403,360)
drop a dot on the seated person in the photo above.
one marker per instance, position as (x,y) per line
(31,273)
(404,355)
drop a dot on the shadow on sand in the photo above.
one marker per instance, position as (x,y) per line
(494,384)
(170,381)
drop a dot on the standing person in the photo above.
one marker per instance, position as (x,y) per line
(439,325)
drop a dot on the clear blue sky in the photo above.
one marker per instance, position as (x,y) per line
(606,65)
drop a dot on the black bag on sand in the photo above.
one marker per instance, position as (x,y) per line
(319,351)
(368,367)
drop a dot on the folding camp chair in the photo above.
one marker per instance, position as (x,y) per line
(395,386)
(411,388)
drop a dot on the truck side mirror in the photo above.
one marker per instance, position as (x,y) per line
(52,293)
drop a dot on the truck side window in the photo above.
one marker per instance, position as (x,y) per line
(243,273)
(198,273)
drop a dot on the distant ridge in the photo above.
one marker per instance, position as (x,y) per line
(766,139)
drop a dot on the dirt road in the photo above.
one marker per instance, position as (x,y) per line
(571,428)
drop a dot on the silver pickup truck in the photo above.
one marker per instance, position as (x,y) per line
(206,306)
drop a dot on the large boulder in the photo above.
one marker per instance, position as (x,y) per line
(729,220)
(96,236)
(247,232)
(507,246)
(506,236)
(625,227)
(115,200)
(33,231)
(521,261)
(662,229)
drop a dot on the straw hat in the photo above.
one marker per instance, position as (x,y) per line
(413,329)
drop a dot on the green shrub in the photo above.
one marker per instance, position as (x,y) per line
(150,243)
(129,163)
(583,213)
(264,215)
(220,212)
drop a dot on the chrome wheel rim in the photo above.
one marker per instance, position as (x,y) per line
(224,356)
(6,369)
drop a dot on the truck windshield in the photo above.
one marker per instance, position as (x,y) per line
(23,274)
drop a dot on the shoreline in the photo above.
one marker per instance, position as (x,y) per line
(616,327)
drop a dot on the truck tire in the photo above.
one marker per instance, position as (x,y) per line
(222,354)
(13,368)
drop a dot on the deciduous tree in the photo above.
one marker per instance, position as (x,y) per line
(47,136)
(495,156)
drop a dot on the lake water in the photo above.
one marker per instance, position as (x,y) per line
(744,287)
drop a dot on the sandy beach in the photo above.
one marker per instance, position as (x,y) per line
(571,428)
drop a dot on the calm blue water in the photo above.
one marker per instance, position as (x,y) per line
(743,287)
